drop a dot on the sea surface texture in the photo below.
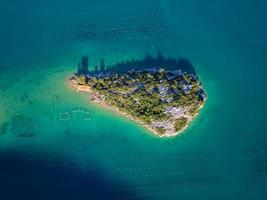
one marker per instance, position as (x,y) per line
(55,144)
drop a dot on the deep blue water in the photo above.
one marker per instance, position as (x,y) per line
(221,156)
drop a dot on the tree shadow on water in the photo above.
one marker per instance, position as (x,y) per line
(149,62)
(42,178)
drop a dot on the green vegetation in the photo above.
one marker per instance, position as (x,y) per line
(81,80)
(180,124)
(160,130)
(149,95)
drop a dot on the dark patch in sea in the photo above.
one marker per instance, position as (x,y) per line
(45,177)
(3,128)
(26,99)
(22,126)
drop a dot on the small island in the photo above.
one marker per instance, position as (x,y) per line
(162,100)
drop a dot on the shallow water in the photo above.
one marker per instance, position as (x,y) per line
(222,155)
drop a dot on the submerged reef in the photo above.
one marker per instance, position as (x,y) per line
(3,128)
(22,126)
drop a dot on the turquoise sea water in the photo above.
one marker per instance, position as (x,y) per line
(222,155)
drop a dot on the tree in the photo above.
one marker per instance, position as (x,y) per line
(81,80)
(180,124)
(160,130)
